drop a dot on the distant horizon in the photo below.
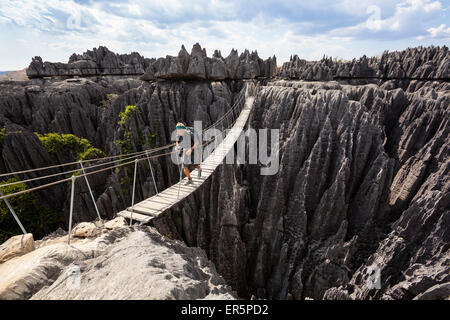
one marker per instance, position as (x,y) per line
(345,29)
(209,54)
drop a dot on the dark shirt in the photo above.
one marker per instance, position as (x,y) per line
(188,140)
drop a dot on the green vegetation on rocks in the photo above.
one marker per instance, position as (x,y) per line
(80,148)
(125,144)
(110,97)
(35,217)
(2,135)
(133,140)
(125,116)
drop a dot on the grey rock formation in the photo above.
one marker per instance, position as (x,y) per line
(413,63)
(100,268)
(99,61)
(91,110)
(198,66)
(298,68)
(102,62)
(363,179)
(16,246)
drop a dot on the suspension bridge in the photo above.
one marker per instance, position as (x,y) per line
(234,120)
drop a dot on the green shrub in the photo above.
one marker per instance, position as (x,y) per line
(91,153)
(126,181)
(125,144)
(2,135)
(153,139)
(80,148)
(125,116)
(110,97)
(35,217)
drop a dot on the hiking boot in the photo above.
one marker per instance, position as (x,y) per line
(188,182)
(199,173)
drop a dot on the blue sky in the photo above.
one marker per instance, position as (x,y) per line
(54,29)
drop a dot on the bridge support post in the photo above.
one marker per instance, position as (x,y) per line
(13,213)
(90,191)
(181,173)
(71,208)
(151,170)
(134,188)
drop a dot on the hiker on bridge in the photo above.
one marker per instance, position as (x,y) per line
(188,140)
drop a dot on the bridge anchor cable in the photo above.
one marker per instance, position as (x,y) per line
(13,213)
(134,189)
(74,178)
(90,191)
(153,176)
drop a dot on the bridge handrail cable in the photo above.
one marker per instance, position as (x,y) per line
(135,157)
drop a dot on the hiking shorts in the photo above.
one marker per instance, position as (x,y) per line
(189,161)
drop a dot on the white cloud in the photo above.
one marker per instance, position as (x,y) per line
(439,32)
(157,28)
(409,19)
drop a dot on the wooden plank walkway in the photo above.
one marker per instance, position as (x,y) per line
(152,207)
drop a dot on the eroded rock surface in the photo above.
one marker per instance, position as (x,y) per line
(413,63)
(91,110)
(198,65)
(99,61)
(125,263)
(16,246)
(363,178)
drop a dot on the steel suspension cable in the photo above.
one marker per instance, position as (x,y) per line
(138,154)
(120,155)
